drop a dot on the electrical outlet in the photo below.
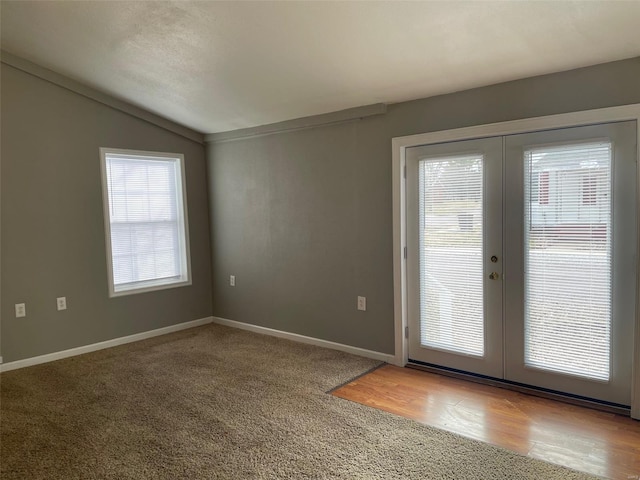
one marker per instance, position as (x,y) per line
(21,310)
(62,303)
(232,280)
(362,303)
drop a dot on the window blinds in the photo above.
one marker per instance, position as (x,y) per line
(451,251)
(147,238)
(568,259)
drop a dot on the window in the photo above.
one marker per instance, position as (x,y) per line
(568,273)
(145,221)
(451,267)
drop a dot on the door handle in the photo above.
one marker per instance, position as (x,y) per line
(494,276)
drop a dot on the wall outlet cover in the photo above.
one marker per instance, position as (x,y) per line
(62,303)
(362,303)
(21,310)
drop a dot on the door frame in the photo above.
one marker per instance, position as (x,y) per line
(399,146)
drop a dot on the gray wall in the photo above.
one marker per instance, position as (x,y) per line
(304,218)
(53,240)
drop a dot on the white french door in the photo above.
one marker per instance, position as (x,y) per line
(521,258)
(570,278)
(454,228)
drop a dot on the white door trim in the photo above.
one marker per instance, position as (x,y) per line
(399,146)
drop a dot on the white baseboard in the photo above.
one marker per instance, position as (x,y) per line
(384,357)
(50,357)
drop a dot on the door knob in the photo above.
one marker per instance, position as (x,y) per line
(494,275)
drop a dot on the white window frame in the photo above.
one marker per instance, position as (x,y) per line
(401,144)
(159,284)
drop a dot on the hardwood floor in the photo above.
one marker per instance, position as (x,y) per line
(599,443)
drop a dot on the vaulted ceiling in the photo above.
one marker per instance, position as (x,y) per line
(219,66)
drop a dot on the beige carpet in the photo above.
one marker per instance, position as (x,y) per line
(215,402)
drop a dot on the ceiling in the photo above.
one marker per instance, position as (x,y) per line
(220,66)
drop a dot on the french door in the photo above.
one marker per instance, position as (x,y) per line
(521,258)
(454,228)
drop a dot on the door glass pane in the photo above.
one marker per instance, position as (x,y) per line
(568,259)
(451,275)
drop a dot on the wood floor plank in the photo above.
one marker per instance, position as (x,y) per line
(599,443)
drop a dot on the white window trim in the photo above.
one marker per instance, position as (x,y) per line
(153,285)
(399,147)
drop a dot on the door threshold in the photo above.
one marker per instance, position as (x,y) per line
(595,404)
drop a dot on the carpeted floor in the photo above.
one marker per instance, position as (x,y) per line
(215,402)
